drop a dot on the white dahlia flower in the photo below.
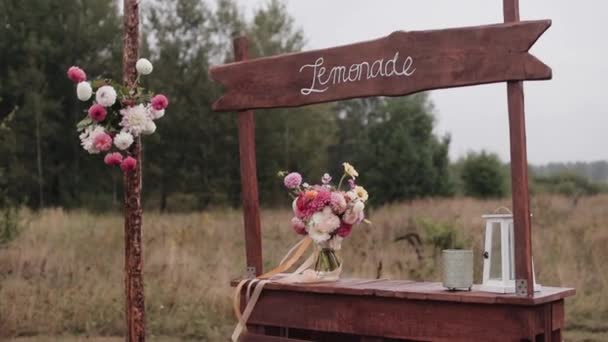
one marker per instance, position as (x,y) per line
(350,217)
(123,140)
(87,138)
(106,96)
(358,207)
(325,221)
(155,114)
(150,128)
(318,236)
(84,91)
(135,120)
(144,67)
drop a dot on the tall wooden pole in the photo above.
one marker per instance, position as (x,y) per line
(134,284)
(519,175)
(249,178)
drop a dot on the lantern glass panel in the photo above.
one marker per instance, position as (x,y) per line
(496,253)
(511,250)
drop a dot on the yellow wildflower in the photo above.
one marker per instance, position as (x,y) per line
(350,170)
(361,193)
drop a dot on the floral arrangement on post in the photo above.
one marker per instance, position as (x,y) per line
(326,214)
(117,115)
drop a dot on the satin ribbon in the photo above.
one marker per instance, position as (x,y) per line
(303,274)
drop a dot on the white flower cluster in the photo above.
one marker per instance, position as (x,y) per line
(98,133)
(322,224)
(137,120)
(87,138)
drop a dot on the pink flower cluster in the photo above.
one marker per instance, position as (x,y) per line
(311,201)
(114,118)
(292,180)
(159,102)
(97,112)
(76,74)
(127,164)
(103,142)
(324,212)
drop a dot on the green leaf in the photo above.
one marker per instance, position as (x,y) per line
(98,83)
(84,123)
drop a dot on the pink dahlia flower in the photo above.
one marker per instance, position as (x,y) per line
(344,230)
(312,201)
(350,217)
(321,200)
(113,159)
(128,164)
(292,180)
(337,202)
(76,74)
(102,141)
(298,226)
(159,102)
(97,112)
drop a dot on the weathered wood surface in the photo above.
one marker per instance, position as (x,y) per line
(430,291)
(519,170)
(251,337)
(404,318)
(400,64)
(249,178)
(134,282)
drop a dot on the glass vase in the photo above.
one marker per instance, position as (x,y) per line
(328,263)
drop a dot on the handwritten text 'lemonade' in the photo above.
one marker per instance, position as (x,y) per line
(322,81)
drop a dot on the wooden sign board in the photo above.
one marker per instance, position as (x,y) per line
(399,64)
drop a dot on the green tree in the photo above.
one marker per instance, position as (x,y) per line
(391,141)
(187,155)
(40,40)
(195,151)
(566,183)
(483,176)
(287,139)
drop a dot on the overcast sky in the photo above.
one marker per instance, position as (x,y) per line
(566,116)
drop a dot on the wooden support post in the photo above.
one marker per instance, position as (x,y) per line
(249,179)
(134,285)
(519,174)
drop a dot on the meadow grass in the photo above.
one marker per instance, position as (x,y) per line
(63,274)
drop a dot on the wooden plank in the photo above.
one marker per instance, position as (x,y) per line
(397,318)
(249,178)
(548,294)
(251,337)
(558,315)
(399,64)
(405,289)
(548,323)
(519,170)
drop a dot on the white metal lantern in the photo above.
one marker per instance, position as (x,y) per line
(499,255)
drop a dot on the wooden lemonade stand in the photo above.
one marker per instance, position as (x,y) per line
(399,64)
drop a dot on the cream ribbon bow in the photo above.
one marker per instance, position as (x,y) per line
(303,274)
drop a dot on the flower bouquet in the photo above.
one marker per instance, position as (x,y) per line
(326,214)
(117,115)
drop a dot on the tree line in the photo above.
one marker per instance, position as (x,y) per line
(192,162)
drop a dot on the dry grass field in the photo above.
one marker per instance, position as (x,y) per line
(62,276)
